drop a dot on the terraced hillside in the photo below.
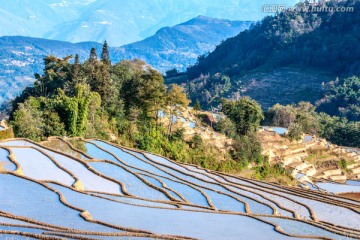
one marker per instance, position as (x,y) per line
(316,163)
(90,189)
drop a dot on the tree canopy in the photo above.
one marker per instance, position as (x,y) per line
(245,113)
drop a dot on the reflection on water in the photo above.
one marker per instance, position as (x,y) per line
(278,130)
(307,138)
(349,186)
(61,146)
(5,163)
(174,119)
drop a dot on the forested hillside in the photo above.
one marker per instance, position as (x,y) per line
(342,98)
(324,42)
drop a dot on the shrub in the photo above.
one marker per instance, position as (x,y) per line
(6,133)
(267,170)
(343,164)
(295,132)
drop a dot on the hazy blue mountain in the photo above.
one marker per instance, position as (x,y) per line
(35,18)
(178,46)
(118,22)
(21,57)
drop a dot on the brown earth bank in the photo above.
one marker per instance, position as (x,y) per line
(355,195)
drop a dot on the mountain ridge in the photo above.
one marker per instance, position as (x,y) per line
(22,57)
(118,22)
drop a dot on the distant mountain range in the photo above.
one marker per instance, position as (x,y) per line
(283,59)
(178,46)
(118,22)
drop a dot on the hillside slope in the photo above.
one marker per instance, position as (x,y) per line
(324,41)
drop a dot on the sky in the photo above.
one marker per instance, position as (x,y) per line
(119,21)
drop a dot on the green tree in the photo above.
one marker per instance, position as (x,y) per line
(105,55)
(76,108)
(152,93)
(197,106)
(57,72)
(281,116)
(295,132)
(76,69)
(226,126)
(301,116)
(176,100)
(69,85)
(101,80)
(53,126)
(28,120)
(245,113)
(93,55)
(92,62)
(247,149)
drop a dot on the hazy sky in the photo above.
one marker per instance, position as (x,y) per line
(119,21)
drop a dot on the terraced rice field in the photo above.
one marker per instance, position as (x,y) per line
(98,190)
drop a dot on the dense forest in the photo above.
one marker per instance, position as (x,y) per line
(320,41)
(342,98)
(305,117)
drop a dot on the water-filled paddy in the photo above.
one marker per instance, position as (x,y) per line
(278,130)
(133,184)
(166,197)
(5,163)
(28,199)
(18,143)
(48,171)
(90,180)
(301,228)
(174,119)
(218,226)
(349,186)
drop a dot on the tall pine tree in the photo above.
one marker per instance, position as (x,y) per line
(197,106)
(75,69)
(93,55)
(105,55)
